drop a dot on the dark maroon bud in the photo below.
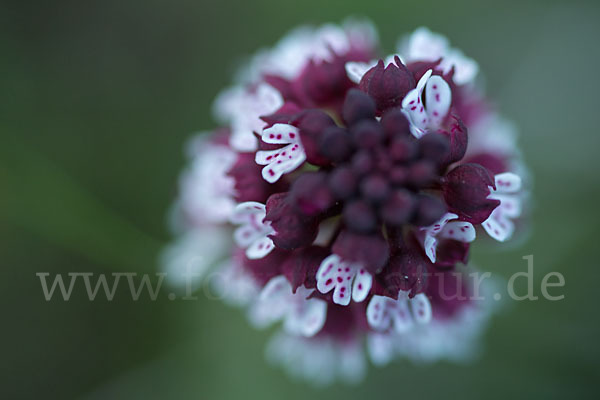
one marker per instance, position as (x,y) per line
(407,270)
(458,142)
(403,149)
(292,229)
(249,184)
(429,210)
(435,147)
(357,106)
(399,208)
(383,160)
(372,251)
(367,134)
(262,269)
(359,216)
(310,193)
(398,175)
(394,123)
(450,252)
(492,162)
(301,267)
(284,115)
(342,182)
(422,173)
(362,162)
(466,189)
(312,125)
(419,68)
(387,85)
(336,144)
(375,188)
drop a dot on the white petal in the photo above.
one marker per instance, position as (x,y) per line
(430,246)
(510,204)
(312,318)
(414,109)
(356,70)
(325,273)
(281,134)
(362,285)
(377,314)
(276,289)
(507,182)
(248,211)
(287,160)
(403,320)
(380,348)
(421,308)
(459,230)
(439,97)
(260,248)
(498,227)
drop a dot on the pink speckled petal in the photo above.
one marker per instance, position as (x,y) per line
(281,134)
(362,285)
(378,316)
(438,97)
(421,308)
(459,230)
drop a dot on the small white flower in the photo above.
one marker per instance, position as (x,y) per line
(276,301)
(444,229)
(427,117)
(206,189)
(346,279)
(384,313)
(253,233)
(499,225)
(318,360)
(285,159)
(242,109)
(423,45)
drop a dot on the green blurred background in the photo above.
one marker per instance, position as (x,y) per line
(96,101)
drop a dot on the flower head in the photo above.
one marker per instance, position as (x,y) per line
(356,189)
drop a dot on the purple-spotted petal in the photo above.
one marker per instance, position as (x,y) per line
(414,109)
(421,308)
(438,99)
(362,285)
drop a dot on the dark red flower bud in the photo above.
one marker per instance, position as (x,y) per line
(403,149)
(362,162)
(466,189)
(375,188)
(335,144)
(249,183)
(398,209)
(372,251)
(367,134)
(357,106)
(450,252)
(458,142)
(422,173)
(312,125)
(407,270)
(398,175)
(301,268)
(342,182)
(292,229)
(394,123)
(387,85)
(435,147)
(359,216)
(310,193)
(429,210)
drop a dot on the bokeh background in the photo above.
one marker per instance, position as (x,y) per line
(96,101)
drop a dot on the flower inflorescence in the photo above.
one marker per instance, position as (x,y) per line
(350,182)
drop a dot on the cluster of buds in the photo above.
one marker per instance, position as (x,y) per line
(352,188)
